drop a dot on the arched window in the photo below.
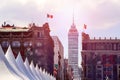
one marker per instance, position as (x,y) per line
(27,43)
(5,44)
(40,34)
(16,44)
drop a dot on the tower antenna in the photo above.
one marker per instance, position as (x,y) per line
(73,16)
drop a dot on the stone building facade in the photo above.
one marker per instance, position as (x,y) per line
(34,42)
(58,58)
(100,58)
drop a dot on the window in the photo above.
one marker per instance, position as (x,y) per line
(97,46)
(40,34)
(36,51)
(99,71)
(118,46)
(26,44)
(16,44)
(99,76)
(38,44)
(89,75)
(98,66)
(94,47)
(114,46)
(5,44)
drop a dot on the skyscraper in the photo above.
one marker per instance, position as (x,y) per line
(73,49)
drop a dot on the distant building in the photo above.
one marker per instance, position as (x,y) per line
(73,50)
(80,72)
(100,58)
(58,58)
(65,69)
(68,71)
(33,42)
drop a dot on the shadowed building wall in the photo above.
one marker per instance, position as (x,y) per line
(100,58)
(34,42)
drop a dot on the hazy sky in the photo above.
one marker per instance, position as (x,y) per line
(102,17)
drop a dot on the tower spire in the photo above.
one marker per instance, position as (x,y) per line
(73,16)
(73,24)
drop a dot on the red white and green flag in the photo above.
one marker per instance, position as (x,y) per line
(49,16)
(85,26)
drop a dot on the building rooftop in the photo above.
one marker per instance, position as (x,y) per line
(86,37)
(11,28)
(14,29)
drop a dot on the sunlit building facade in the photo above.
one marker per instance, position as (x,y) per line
(58,58)
(100,58)
(33,42)
(73,50)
